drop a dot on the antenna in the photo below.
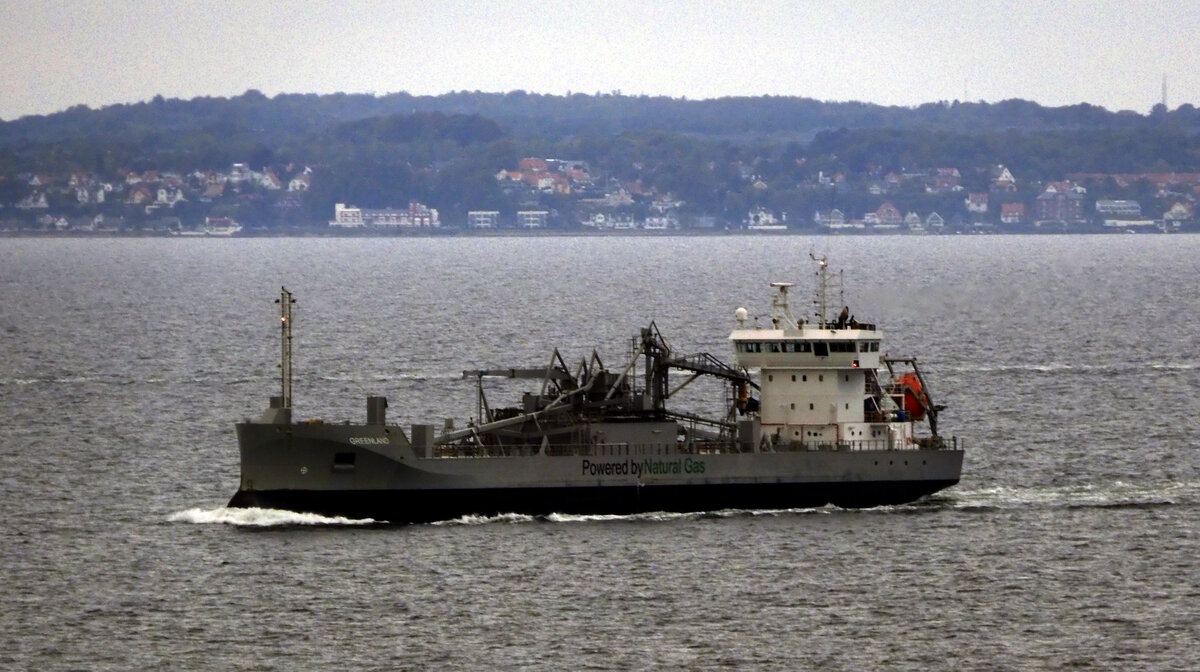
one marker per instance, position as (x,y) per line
(780,312)
(285,302)
(825,283)
(1164,91)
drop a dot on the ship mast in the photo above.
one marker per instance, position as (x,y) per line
(285,302)
(825,284)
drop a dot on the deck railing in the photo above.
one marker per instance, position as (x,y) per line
(691,448)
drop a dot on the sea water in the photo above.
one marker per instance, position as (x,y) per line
(1067,364)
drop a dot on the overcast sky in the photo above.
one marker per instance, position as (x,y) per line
(55,54)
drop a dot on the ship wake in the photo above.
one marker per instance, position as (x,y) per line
(648,517)
(264,518)
(1110,495)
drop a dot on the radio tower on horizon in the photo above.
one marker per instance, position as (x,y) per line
(1164,92)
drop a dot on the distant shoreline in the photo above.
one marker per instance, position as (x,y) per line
(546,233)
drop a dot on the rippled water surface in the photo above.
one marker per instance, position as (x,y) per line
(1068,365)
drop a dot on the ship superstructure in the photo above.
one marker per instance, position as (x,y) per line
(821,379)
(812,415)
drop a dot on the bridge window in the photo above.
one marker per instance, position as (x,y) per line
(773,347)
(864,347)
(875,347)
(821,349)
(804,347)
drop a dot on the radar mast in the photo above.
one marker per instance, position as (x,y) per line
(826,284)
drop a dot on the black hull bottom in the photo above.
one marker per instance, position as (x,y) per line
(422,506)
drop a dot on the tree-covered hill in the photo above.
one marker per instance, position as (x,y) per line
(207,132)
(719,157)
(526,115)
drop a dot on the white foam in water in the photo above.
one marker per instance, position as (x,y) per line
(1116,493)
(653,516)
(484,520)
(664,516)
(600,518)
(261,518)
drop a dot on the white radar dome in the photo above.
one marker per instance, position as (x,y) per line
(740,315)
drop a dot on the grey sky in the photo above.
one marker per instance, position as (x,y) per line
(56,54)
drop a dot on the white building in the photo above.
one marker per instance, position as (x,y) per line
(834,219)
(662,222)
(532,219)
(349,217)
(1119,208)
(762,219)
(483,219)
(417,216)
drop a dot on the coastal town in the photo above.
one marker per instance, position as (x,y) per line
(547,194)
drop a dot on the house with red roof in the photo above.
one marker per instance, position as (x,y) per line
(1012,213)
(889,215)
(532,164)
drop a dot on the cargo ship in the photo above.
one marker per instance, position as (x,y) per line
(812,414)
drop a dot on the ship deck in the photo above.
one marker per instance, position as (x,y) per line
(465,450)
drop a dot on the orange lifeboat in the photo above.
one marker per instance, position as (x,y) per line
(915,399)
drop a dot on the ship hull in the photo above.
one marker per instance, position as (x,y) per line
(423,506)
(359,471)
